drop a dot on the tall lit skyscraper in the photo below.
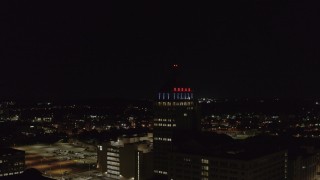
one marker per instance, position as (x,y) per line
(175,111)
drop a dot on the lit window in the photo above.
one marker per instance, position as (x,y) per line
(205,173)
(113,168)
(205,161)
(112,154)
(112,158)
(113,163)
(205,168)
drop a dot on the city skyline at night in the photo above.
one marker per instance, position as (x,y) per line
(155,90)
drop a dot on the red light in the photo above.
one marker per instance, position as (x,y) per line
(174,89)
(178,89)
(189,89)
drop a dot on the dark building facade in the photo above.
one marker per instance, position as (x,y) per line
(195,166)
(12,162)
(301,164)
(175,110)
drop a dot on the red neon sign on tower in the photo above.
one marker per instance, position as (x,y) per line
(181,89)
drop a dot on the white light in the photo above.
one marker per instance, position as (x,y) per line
(138,166)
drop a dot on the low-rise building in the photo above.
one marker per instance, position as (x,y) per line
(232,166)
(127,158)
(203,156)
(302,164)
(12,162)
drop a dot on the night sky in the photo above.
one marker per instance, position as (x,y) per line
(86,49)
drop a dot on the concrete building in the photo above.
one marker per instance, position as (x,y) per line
(12,162)
(127,158)
(175,110)
(234,166)
(213,156)
(301,164)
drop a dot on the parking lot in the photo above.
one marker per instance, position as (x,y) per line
(59,159)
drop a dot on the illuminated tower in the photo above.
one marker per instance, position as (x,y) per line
(175,111)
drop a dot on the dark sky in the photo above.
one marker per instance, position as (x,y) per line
(86,49)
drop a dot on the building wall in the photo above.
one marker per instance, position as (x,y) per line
(144,165)
(185,166)
(113,162)
(173,112)
(119,159)
(127,160)
(302,168)
(12,162)
(109,160)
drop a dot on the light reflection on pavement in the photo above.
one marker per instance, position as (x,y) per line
(57,161)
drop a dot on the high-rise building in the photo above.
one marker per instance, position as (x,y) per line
(12,162)
(175,111)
